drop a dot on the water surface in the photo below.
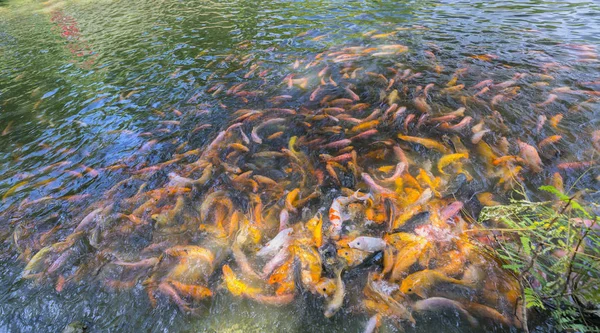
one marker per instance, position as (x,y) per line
(86,85)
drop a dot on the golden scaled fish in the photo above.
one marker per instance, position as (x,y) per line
(557,182)
(301,202)
(326,287)
(453,89)
(337,299)
(421,283)
(386,168)
(452,81)
(408,255)
(378,216)
(191,251)
(359,107)
(196,292)
(451,263)
(238,147)
(549,140)
(13,189)
(282,273)
(485,152)
(168,217)
(384,35)
(545,77)
(332,173)
(290,198)
(393,97)
(37,261)
(364,126)
(315,226)
(352,256)
(311,266)
(401,239)
(285,288)
(484,57)
(265,181)
(410,181)
(510,176)
(482,311)
(236,286)
(433,183)
(449,159)
(388,260)
(428,143)
(554,121)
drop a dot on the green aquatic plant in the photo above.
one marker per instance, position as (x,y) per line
(554,249)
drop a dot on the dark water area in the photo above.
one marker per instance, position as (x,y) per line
(101,101)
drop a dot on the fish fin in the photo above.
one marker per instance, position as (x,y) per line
(297,269)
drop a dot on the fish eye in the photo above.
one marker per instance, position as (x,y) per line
(409,290)
(324,289)
(358,243)
(345,253)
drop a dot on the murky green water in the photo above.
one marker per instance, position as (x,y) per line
(86,85)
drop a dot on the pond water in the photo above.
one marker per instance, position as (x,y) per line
(95,97)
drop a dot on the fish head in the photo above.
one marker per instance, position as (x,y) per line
(408,286)
(227,272)
(325,287)
(346,254)
(206,292)
(314,223)
(357,243)
(275,278)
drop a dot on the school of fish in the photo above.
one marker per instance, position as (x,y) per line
(341,167)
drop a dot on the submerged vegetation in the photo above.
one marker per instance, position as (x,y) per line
(554,248)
